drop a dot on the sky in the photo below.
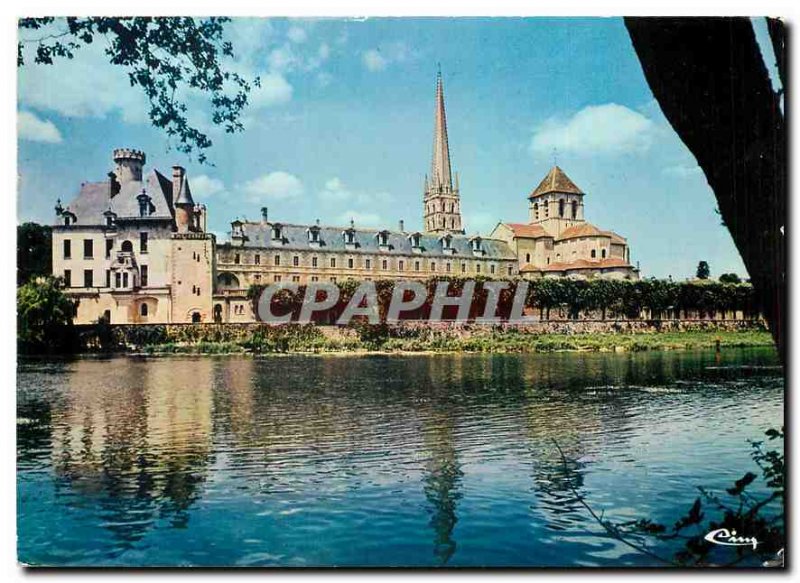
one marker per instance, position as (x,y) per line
(342,127)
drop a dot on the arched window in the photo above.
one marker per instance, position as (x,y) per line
(574,209)
(195,317)
(594,253)
(218,313)
(603,253)
(127,247)
(561,208)
(143,309)
(536,210)
(527,258)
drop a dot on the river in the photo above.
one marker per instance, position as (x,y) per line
(425,460)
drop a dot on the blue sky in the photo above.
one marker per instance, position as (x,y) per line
(342,127)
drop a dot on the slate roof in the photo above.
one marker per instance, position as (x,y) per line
(295,237)
(526,231)
(556,181)
(93,200)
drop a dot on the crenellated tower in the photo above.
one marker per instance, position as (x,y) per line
(442,203)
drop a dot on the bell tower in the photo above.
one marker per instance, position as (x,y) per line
(442,202)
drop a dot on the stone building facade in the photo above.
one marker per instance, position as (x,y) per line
(134,248)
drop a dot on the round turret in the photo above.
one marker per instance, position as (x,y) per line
(129,164)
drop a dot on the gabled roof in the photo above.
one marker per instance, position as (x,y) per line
(582,230)
(526,231)
(556,181)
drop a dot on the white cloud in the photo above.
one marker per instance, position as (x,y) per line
(274,90)
(379,58)
(336,191)
(30,127)
(276,185)
(85,86)
(361,219)
(203,186)
(373,60)
(683,170)
(596,129)
(297,34)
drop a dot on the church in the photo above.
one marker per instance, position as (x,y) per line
(134,248)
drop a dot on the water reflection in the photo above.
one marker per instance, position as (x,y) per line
(361,456)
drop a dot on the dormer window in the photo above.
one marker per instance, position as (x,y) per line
(383,240)
(110,217)
(69,218)
(314,239)
(277,232)
(145,206)
(416,240)
(476,243)
(447,244)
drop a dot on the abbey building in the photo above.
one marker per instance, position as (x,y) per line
(134,248)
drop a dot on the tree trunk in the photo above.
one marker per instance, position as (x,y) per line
(708,76)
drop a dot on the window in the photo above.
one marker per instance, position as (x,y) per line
(510,270)
(107,316)
(88,249)
(117,279)
(384,264)
(257,259)
(313,262)
(67,249)
(277,260)
(561,208)
(109,247)
(368,263)
(477,268)
(296,261)
(400,265)
(295,278)
(314,278)
(144,275)
(383,238)
(276,232)
(333,280)
(536,211)
(237,258)
(143,243)
(447,267)
(124,279)
(491,269)
(603,253)
(574,209)
(67,278)
(594,253)
(108,278)
(415,240)
(127,247)
(416,266)
(527,258)
(433,266)
(350,263)
(277,278)
(143,309)
(333,261)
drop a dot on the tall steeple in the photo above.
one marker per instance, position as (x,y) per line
(440,163)
(442,212)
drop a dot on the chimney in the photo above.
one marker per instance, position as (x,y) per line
(177,181)
(402,226)
(264,214)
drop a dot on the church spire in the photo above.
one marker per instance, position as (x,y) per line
(441,176)
(442,204)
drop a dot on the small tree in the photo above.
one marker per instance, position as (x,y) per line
(44,316)
(729,278)
(703,270)
(34,253)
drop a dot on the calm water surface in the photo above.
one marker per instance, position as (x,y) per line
(379,460)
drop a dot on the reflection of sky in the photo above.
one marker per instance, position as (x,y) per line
(416,460)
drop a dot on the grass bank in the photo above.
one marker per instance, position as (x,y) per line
(287,340)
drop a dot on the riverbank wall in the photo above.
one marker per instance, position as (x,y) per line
(422,336)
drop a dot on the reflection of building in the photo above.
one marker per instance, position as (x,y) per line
(141,446)
(134,248)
